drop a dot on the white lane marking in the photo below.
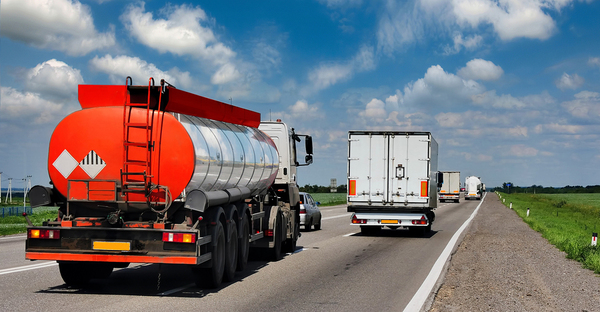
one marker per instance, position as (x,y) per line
(28,267)
(344,215)
(172,291)
(349,234)
(418,300)
(14,237)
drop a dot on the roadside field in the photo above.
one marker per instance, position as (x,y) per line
(330,199)
(17,224)
(565,220)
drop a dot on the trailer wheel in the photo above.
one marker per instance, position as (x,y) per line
(213,276)
(75,273)
(277,238)
(370,230)
(231,252)
(244,244)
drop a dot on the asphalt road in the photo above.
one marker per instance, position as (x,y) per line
(333,269)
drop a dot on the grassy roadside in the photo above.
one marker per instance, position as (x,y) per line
(330,199)
(565,220)
(17,224)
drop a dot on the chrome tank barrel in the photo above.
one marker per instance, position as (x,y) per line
(230,157)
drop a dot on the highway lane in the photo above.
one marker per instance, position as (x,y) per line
(333,269)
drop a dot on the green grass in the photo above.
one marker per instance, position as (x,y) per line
(330,199)
(17,224)
(565,220)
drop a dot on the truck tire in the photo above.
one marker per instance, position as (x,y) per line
(277,255)
(213,276)
(290,243)
(75,273)
(231,252)
(370,230)
(244,244)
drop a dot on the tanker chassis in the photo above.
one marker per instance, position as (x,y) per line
(153,174)
(392,180)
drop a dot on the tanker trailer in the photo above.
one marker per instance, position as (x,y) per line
(153,174)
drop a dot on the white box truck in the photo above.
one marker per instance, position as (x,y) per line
(473,188)
(450,189)
(392,180)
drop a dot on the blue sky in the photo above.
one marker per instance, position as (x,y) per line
(510,89)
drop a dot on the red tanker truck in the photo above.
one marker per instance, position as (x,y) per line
(153,174)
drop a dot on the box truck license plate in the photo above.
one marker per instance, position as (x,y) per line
(389,221)
(122,246)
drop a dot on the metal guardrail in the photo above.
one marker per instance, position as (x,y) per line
(15,211)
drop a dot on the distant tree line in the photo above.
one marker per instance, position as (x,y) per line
(508,187)
(322,189)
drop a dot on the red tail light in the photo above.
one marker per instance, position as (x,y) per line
(269,233)
(355,220)
(43,234)
(422,221)
(179,237)
(302,210)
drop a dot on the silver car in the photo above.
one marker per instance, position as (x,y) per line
(310,215)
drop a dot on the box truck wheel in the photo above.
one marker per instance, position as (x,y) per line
(213,276)
(244,244)
(231,252)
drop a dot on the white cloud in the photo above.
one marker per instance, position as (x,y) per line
(594,61)
(186,30)
(53,78)
(119,67)
(521,150)
(567,81)
(586,105)
(62,25)
(469,43)
(478,69)
(375,109)
(506,101)
(300,110)
(27,108)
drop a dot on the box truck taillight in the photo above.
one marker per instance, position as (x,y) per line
(43,234)
(356,220)
(179,237)
(424,185)
(422,221)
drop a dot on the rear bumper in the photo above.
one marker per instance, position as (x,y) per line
(114,258)
(387,219)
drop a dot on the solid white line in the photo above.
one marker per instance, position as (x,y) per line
(172,291)
(349,234)
(344,215)
(418,300)
(28,267)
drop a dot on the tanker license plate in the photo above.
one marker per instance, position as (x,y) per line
(119,246)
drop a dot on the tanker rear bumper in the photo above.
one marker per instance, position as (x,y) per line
(116,245)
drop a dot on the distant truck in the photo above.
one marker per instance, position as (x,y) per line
(473,188)
(450,189)
(392,180)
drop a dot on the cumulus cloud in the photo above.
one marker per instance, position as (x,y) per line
(62,25)
(53,78)
(479,69)
(567,81)
(119,67)
(301,110)
(27,108)
(375,109)
(186,30)
(586,105)
(594,61)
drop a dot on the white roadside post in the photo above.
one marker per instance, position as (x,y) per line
(528,212)
(594,239)
(510,205)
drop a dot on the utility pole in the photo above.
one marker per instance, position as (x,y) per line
(24,190)
(9,191)
(0,187)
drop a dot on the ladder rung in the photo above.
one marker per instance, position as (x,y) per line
(138,125)
(136,162)
(137,104)
(134,183)
(138,144)
(133,173)
(140,191)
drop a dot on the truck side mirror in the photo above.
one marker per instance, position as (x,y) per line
(308,145)
(440,179)
(308,159)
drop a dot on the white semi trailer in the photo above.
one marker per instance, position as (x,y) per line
(473,188)
(392,180)
(450,189)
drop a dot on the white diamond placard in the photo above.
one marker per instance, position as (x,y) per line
(65,164)
(92,164)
